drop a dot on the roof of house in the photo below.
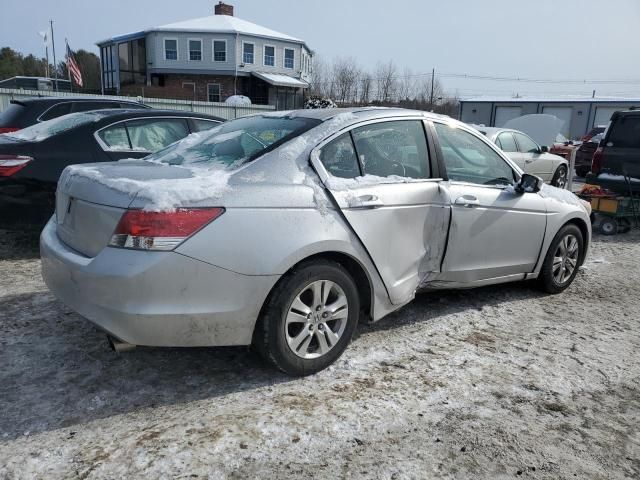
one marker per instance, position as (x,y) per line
(214,24)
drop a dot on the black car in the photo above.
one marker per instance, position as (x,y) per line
(29,111)
(616,162)
(32,159)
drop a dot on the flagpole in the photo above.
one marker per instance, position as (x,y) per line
(53,47)
(68,69)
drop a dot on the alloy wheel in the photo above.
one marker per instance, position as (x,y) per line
(561,181)
(316,319)
(565,259)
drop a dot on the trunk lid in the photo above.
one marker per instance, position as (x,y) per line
(88,209)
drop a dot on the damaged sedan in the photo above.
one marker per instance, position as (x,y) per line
(283,230)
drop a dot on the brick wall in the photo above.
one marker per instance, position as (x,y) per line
(173,87)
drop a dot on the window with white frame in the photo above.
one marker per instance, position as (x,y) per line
(171,49)
(195,50)
(270,56)
(289,56)
(248,53)
(213,92)
(219,50)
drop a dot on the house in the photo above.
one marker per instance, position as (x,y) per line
(579,114)
(208,59)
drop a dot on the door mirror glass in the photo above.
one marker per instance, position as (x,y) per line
(529,184)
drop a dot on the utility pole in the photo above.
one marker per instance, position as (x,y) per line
(53,47)
(433,75)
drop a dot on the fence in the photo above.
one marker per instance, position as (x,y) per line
(212,108)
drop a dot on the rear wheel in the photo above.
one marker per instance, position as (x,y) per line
(560,177)
(309,318)
(608,226)
(563,258)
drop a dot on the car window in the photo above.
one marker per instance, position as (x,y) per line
(115,137)
(507,143)
(56,111)
(625,132)
(153,134)
(201,125)
(525,144)
(339,157)
(469,159)
(393,148)
(86,106)
(43,131)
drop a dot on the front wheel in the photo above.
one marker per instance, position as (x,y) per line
(560,177)
(563,258)
(309,318)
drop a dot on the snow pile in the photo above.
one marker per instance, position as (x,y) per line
(163,194)
(42,131)
(336,183)
(617,178)
(238,101)
(319,102)
(561,195)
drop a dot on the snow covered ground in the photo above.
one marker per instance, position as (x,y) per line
(499,382)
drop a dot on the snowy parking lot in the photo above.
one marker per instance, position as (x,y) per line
(498,382)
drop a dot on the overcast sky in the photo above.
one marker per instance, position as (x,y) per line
(541,39)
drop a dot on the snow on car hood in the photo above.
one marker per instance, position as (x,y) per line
(544,129)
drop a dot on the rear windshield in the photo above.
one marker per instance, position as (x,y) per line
(235,142)
(44,130)
(11,115)
(625,132)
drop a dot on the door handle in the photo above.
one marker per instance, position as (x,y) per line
(365,201)
(467,201)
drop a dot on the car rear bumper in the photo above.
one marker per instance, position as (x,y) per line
(155,298)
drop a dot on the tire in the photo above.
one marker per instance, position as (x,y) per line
(556,278)
(624,225)
(294,298)
(560,177)
(608,226)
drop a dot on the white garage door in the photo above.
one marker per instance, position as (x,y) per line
(603,115)
(564,114)
(504,114)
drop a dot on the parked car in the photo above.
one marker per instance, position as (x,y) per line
(32,159)
(529,156)
(616,162)
(584,155)
(30,111)
(285,229)
(593,132)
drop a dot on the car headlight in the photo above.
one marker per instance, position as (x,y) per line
(587,206)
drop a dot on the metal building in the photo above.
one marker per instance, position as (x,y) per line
(579,114)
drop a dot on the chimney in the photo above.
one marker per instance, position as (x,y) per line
(223,9)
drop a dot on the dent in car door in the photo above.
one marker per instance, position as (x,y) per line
(403,226)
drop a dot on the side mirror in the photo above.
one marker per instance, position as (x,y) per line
(544,149)
(529,184)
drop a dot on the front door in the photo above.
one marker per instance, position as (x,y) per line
(495,232)
(535,162)
(380,177)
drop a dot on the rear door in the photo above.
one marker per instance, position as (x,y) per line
(381,178)
(494,232)
(508,145)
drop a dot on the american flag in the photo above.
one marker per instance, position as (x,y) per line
(73,67)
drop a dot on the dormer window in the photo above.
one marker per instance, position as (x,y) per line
(248,53)
(289,57)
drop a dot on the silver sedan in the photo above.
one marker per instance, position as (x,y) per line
(284,230)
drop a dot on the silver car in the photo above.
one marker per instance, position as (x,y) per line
(528,155)
(284,230)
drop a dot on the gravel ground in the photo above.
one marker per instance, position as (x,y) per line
(498,382)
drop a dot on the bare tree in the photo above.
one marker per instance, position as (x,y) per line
(345,75)
(318,80)
(429,95)
(385,81)
(366,82)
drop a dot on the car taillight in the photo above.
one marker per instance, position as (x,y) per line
(8,129)
(596,161)
(142,230)
(10,164)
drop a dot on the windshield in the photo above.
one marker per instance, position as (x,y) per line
(234,142)
(44,130)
